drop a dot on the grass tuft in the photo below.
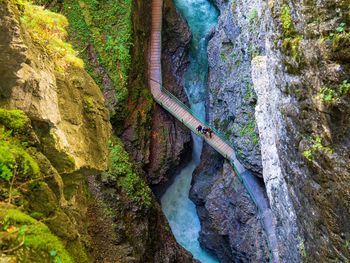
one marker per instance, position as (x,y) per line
(47,30)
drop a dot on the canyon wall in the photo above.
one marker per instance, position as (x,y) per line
(281,68)
(88,183)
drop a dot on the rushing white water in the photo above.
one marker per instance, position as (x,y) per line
(177,207)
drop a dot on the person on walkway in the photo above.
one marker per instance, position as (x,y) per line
(205,131)
(199,128)
(210,132)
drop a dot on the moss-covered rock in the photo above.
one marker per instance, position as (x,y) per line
(54,100)
(28,239)
(59,127)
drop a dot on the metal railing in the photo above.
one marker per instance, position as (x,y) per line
(185,107)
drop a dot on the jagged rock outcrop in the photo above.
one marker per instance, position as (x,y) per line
(130,232)
(59,105)
(230,225)
(69,127)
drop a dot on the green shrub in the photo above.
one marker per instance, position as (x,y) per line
(344,88)
(340,28)
(340,38)
(333,95)
(328,96)
(47,30)
(308,155)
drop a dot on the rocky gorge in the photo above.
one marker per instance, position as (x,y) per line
(266,62)
(86,153)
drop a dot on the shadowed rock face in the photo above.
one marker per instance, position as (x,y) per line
(230,226)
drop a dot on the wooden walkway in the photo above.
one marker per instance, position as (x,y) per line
(183,114)
(170,104)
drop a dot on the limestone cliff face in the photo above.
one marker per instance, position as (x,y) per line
(294,56)
(304,137)
(235,40)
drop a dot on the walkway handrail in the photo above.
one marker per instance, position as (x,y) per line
(183,105)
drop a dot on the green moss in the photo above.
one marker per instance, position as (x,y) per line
(291,47)
(14,160)
(287,21)
(291,40)
(253,16)
(79,35)
(36,236)
(108,26)
(90,109)
(14,119)
(248,130)
(63,162)
(47,30)
(308,155)
(328,95)
(123,171)
(316,146)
